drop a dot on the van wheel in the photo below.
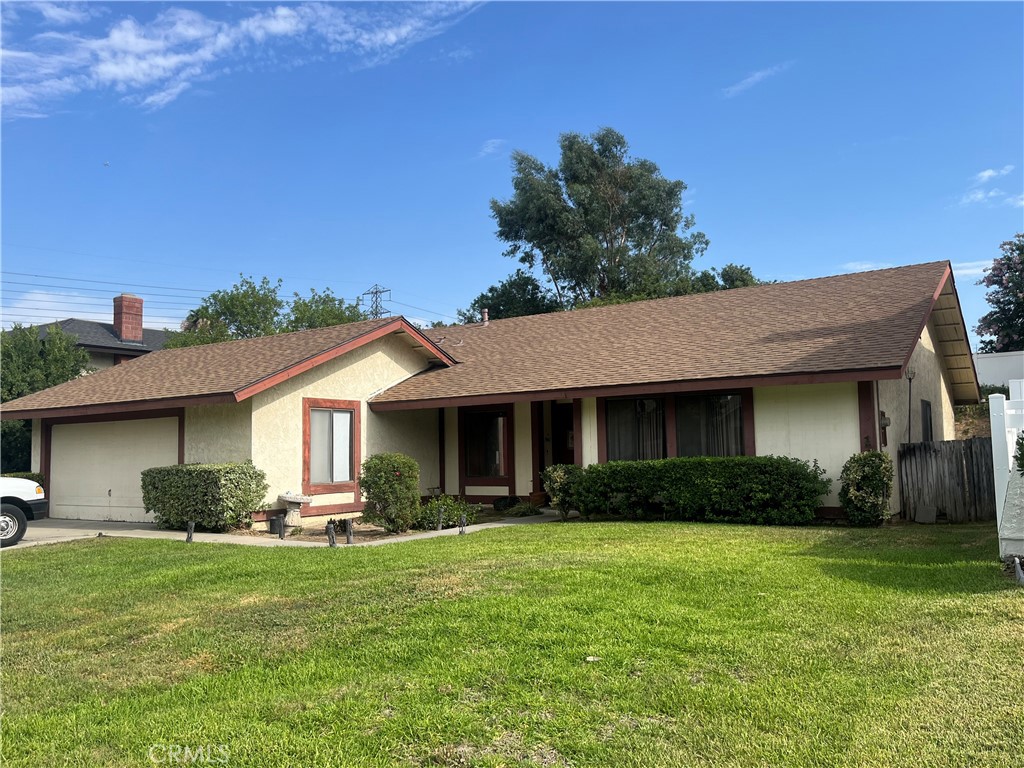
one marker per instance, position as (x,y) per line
(12,525)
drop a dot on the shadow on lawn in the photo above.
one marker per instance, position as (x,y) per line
(934,560)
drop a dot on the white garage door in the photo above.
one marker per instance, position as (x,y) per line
(95,469)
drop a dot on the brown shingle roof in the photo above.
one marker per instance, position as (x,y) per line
(856,322)
(218,372)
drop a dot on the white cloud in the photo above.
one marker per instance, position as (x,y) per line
(456,55)
(865,266)
(151,63)
(490,147)
(1017,201)
(980,196)
(984,177)
(63,13)
(971,268)
(753,79)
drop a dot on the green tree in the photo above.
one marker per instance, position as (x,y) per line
(30,364)
(1005,322)
(601,224)
(321,310)
(249,309)
(519,294)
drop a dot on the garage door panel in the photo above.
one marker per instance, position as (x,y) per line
(96,468)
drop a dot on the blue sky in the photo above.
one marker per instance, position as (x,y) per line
(164,148)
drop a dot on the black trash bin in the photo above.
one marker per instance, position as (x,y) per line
(276,525)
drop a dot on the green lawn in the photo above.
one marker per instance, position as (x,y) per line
(717,645)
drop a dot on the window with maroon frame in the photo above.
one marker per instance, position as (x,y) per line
(484,443)
(709,425)
(635,429)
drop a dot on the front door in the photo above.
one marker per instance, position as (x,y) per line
(562,434)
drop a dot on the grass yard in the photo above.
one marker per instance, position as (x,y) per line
(716,645)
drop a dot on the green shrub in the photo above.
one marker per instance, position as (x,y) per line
(764,490)
(390,483)
(505,503)
(561,481)
(449,508)
(35,477)
(865,487)
(214,496)
(524,509)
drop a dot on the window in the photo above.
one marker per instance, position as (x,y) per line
(636,429)
(331,433)
(926,422)
(709,425)
(485,436)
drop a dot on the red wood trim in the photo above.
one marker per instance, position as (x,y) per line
(537,433)
(602,431)
(45,443)
(161,414)
(510,479)
(350,486)
(671,436)
(656,388)
(322,357)
(113,411)
(441,451)
(868,420)
(181,437)
(577,432)
(747,413)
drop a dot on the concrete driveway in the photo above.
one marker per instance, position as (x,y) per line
(53,531)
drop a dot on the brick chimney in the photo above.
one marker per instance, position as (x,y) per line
(128,318)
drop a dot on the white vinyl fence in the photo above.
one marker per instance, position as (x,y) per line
(1007,418)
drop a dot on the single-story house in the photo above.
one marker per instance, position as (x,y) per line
(817,369)
(110,344)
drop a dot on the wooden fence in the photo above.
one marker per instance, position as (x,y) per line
(950,480)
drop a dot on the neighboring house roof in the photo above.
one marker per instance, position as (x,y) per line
(100,337)
(227,372)
(859,326)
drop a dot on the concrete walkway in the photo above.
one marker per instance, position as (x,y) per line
(53,531)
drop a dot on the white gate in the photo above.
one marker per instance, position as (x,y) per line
(1007,418)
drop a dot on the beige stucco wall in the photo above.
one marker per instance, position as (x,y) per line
(589,429)
(358,375)
(451,451)
(413,433)
(895,397)
(522,433)
(218,433)
(811,421)
(96,467)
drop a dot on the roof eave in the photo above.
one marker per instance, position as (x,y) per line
(647,388)
(135,406)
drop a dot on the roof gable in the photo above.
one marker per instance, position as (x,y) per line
(213,373)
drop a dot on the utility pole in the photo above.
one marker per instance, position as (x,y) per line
(377,297)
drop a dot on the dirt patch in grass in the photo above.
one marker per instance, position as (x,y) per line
(508,747)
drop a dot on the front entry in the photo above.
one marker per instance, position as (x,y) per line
(563,445)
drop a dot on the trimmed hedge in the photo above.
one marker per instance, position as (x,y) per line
(214,496)
(764,490)
(35,477)
(390,482)
(449,508)
(865,487)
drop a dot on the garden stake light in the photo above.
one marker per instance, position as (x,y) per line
(348,530)
(189,530)
(462,523)
(331,540)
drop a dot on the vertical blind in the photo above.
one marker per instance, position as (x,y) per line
(330,446)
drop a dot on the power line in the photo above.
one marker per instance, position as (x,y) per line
(95,290)
(91,301)
(422,309)
(105,282)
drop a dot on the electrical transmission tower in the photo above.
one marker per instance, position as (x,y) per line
(377,298)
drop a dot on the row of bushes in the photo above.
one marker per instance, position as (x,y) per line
(765,490)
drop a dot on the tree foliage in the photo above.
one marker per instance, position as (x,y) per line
(249,309)
(30,364)
(602,223)
(520,294)
(1005,322)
